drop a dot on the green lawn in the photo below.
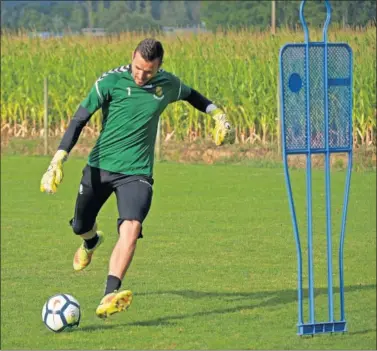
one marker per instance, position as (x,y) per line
(216,269)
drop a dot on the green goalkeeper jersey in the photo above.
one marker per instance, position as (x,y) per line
(130,118)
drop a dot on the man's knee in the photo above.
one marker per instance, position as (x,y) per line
(81,227)
(133,227)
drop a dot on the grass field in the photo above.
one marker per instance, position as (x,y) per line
(216,268)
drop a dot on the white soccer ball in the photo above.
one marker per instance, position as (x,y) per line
(61,312)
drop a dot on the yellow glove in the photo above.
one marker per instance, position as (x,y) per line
(223,132)
(54,174)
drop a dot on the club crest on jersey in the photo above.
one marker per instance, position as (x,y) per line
(159,95)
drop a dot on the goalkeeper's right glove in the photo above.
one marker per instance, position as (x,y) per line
(54,174)
(223,133)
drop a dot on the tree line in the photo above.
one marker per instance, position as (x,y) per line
(134,15)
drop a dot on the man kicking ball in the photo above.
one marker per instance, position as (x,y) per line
(132,98)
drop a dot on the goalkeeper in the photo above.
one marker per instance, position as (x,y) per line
(132,98)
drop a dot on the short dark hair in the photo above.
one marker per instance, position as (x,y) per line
(150,49)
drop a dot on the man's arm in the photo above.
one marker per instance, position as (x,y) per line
(54,174)
(77,123)
(200,102)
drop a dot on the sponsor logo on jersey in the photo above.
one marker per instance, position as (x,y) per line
(159,94)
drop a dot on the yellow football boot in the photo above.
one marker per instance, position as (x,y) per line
(113,303)
(83,256)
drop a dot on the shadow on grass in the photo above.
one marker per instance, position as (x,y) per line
(361,332)
(262,299)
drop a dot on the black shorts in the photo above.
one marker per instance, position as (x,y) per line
(133,193)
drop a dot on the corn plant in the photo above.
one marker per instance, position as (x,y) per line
(237,70)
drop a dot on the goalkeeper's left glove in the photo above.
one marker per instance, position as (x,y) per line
(223,132)
(54,174)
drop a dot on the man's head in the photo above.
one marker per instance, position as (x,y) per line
(146,60)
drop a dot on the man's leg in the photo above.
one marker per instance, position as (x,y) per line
(134,201)
(124,249)
(91,196)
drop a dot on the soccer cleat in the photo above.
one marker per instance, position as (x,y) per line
(83,256)
(113,303)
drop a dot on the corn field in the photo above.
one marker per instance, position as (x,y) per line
(236,70)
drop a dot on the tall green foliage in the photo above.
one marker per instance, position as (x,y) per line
(236,70)
(241,13)
(137,14)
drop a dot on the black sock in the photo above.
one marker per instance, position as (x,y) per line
(90,243)
(113,283)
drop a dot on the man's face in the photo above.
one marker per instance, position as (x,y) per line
(143,71)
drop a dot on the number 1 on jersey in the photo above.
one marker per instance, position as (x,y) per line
(129,91)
